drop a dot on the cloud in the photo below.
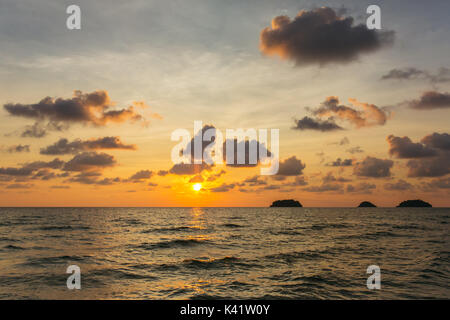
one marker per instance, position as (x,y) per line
(93,178)
(255,181)
(438,141)
(215,176)
(404,148)
(429,158)
(325,187)
(362,188)
(63,146)
(331,178)
(435,167)
(400,185)
(39,129)
(340,163)
(95,108)
(197,178)
(307,123)
(19,186)
(89,161)
(437,184)
(431,100)
(141,175)
(369,115)
(223,188)
(163,173)
(28,168)
(299,181)
(18,148)
(291,167)
(320,36)
(189,169)
(341,142)
(354,150)
(373,168)
(443,75)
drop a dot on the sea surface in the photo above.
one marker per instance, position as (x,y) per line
(218,253)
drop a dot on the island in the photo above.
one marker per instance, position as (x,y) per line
(286,203)
(367,204)
(415,203)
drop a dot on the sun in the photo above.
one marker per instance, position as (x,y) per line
(197,186)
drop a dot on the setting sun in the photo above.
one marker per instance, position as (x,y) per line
(197,186)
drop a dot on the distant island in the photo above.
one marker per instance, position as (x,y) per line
(415,203)
(367,204)
(286,203)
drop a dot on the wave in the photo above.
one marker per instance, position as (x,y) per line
(172,229)
(61,228)
(173,244)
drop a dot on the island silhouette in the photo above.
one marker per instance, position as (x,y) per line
(286,203)
(366,204)
(414,203)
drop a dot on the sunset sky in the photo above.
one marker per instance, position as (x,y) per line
(87,115)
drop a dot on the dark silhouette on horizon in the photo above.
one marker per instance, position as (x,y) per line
(286,203)
(366,204)
(415,203)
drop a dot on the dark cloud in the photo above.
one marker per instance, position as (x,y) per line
(28,168)
(215,176)
(319,37)
(329,177)
(404,148)
(93,178)
(19,186)
(443,75)
(435,167)
(298,181)
(307,123)
(89,161)
(39,129)
(291,167)
(400,185)
(255,181)
(438,141)
(431,100)
(18,148)
(437,184)
(223,188)
(141,175)
(63,146)
(367,115)
(93,108)
(373,168)
(44,174)
(362,188)
(197,178)
(340,163)
(163,173)
(189,169)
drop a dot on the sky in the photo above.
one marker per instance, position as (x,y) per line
(87,115)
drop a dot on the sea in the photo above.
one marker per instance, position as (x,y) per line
(225,253)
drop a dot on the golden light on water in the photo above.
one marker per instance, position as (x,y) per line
(197,186)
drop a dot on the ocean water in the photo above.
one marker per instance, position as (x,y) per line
(217,253)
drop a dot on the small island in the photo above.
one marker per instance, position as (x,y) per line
(286,203)
(367,204)
(414,204)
